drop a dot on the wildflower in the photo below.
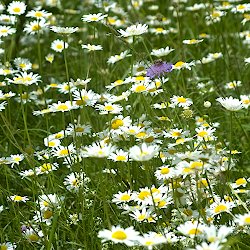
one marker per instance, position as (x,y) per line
(38,14)
(220,207)
(64,30)
(158,69)
(36,26)
(241,8)
(117,234)
(134,30)
(18,198)
(122,197)
(109,108)
(114,59)
(152,239)
(62,107)
(32,235)
(78,129)
(143,152)
(119,156)
(23,63)
(180,101)
(25,78)
(90,47)
(45,168)
(7,19)
(98,149)
(164,172)
(230,103)
(61,151)
(183,65)
(217,235)
(6,30)
(242,219)
(161,52)
(74,181)
(16,8)
(192,41)
(245,99)
(210,246)
(233,84)
(85,98)
(93,17)
(50,58)
(7,246)
(192,229)
(158,30)
(59,45)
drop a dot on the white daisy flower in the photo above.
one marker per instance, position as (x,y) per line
(134,30)
(230,103)
(16,8)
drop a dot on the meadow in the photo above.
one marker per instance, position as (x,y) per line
(124,124)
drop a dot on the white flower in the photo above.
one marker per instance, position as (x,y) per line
(242,219)
(192,41)
(247,60)
(64,30)
(134,30)
(192,229)
(180,101)
(16,8)
(230,103)
(117,234)
(6,30)
(59,45)
(161,52)
(116,58)
(93,17)
(143,152)
(211,246)
(90,47)
(18,198)
(36,26)
(38,14)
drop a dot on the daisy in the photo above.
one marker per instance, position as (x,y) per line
(122,197)
(220,207)
(64,30)
(230,103)
(36,26)
(46,168)
(165,172)
(74,181)
(152,239)
(158,30)
(59,45)
(23,63)
(98,149)
(241,8)
(7,246)
(233,84)
(52,142)
(18,198)
(6,30)
(32,235)
(25,78)
(39,14)
(47,201)
(7,19)
(85,98)
(245,99)
(114,59)
(161,52)
(90,47)
(214,234)
(240,182)
(93,17)
(119,122)
(143,152)
(134,30)
(61,151)
(119,156)
(210,246)
(242,219)
(117,234)
(16,8)
(62,107)
(183,65)
(50,57)
(78,129)
(192,41)
(180,101)
(109,108)
(192,229)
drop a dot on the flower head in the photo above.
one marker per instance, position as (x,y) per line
(230,103)
(159,68)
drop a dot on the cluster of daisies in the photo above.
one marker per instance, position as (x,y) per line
(178,175)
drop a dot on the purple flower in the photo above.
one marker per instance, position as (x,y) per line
(159,68)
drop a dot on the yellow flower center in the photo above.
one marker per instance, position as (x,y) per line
(51,144)
(109,108)
(4,30)
(38,14)
(59,46)
(176,134)
(140,88)
(202,133)
(125,197)
(3,247)
(118,82)
(241,181)
(141,135)
(181,99)
(36,27)
(64,152)
(16,9)
(179,141)
(165,170)
(62,107)
(194,231)
(143,194)
(119,235)
(94,18)
(140,78)
(247,220)
(117,123)
(121,158)
(79,129)
(220,208)
(46,167)
(179,64)
(159,30)
(18,198)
